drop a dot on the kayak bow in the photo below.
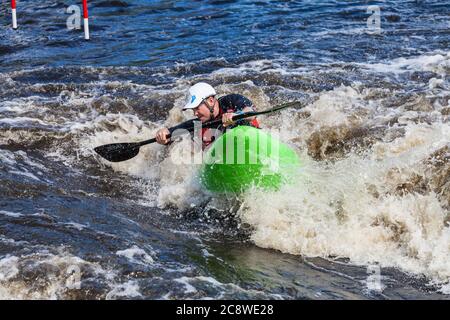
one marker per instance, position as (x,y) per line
(246,156)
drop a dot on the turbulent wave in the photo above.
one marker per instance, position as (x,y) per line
(373,187)
(372,192)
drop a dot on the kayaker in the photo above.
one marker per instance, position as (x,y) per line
(202,100)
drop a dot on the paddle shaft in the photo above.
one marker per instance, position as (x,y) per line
(117,152)
(190,124)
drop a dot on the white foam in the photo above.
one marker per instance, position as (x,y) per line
(8,268)
(21,121)
(330,109)
(7,157)
(14,160)
(77,226)
(435,83)
(24,105)
(206,253)
(181,270)
(11,214)
(189,283)
(439,63)
(179,184)
(23,155)
(334,32)
(250,66)
(136,255)
(348,209)
(25,174)
(130,129)
(445,289)
(128,289)
(64,271)
(185,281)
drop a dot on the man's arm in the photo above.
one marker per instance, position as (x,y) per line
(251,121)
(161,136)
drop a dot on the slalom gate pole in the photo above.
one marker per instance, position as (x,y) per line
(14,14)
(86,20)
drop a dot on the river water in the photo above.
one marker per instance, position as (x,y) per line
(368,217)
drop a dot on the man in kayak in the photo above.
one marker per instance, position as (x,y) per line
(202,100)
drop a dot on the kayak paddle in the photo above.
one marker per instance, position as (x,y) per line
(116,152)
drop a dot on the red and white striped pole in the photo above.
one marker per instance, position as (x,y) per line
(14,14)
(86,20)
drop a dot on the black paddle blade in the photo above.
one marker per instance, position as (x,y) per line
(117,152)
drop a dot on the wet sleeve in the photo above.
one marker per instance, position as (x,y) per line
(240,104)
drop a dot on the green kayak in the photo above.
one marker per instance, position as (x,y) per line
(245,156)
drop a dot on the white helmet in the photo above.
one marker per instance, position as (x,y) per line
(197,93)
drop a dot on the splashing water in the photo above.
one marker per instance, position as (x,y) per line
(373,189)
